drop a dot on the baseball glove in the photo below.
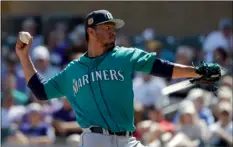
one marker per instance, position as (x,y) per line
(210,73)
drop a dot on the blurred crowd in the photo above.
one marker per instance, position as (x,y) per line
(201,117)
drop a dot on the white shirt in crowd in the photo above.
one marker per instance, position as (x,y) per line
(150,93)
(215,138)
(12,115)
(214,40)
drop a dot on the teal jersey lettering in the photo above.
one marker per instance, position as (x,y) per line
(100,89)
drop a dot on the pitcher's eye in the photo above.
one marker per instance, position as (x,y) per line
(108,28)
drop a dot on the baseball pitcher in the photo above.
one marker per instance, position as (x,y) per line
(98,85)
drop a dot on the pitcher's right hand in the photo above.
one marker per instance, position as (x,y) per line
(22,49)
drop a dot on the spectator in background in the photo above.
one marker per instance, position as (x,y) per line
(155,130)
(184,55)
(123,40)
(227,81)
(162,50)
(220,56)
(7,102)
(77,35)
(159,48)
(224,94)
(11,116)
(147,91)
(137,41)
(64,120)
(154,46)
(222,38)
(189,124)
(58,55)
(160,130)
(11,70)
(148,34)
(221,133)
(34,130)
(48,108)
(29,25)
(77,38)
(41,57)
(51,40)
(153,138)
(138,113)
(13,113)
(9,85)
(197,96)
(75,56)
(142,130)
(156,115)
(42,61)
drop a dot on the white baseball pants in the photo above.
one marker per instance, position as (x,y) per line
(89,139)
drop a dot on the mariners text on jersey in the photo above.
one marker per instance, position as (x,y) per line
(97,76)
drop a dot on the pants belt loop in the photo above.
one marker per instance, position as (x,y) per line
(127,134)
(105,131)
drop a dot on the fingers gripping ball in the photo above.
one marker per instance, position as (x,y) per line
(24,37)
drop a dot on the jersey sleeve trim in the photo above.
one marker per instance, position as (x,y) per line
(36,84)
(162,68)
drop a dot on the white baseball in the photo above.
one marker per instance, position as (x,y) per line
(24,37)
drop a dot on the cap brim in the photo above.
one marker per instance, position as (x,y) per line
(119,23)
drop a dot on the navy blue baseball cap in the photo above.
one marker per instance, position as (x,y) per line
(100,17)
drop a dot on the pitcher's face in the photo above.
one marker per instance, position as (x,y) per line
(106,34)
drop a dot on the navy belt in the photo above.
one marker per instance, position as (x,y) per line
(101,131)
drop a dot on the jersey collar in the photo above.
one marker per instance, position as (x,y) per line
(88,60)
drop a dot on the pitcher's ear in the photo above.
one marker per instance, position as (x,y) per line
(91,31)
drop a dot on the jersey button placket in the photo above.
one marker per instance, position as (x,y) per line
(93,81)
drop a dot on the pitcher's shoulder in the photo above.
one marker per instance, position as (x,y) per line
(125,50)
(71,64)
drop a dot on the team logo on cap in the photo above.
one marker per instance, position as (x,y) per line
(90,21)
(109,15)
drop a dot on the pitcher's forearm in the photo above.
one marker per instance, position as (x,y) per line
(28,67)
(183,71)
(34,81)
(166,69)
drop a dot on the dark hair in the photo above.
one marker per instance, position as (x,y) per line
(223,52)
(86,34)
(153,108)
(5,96)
